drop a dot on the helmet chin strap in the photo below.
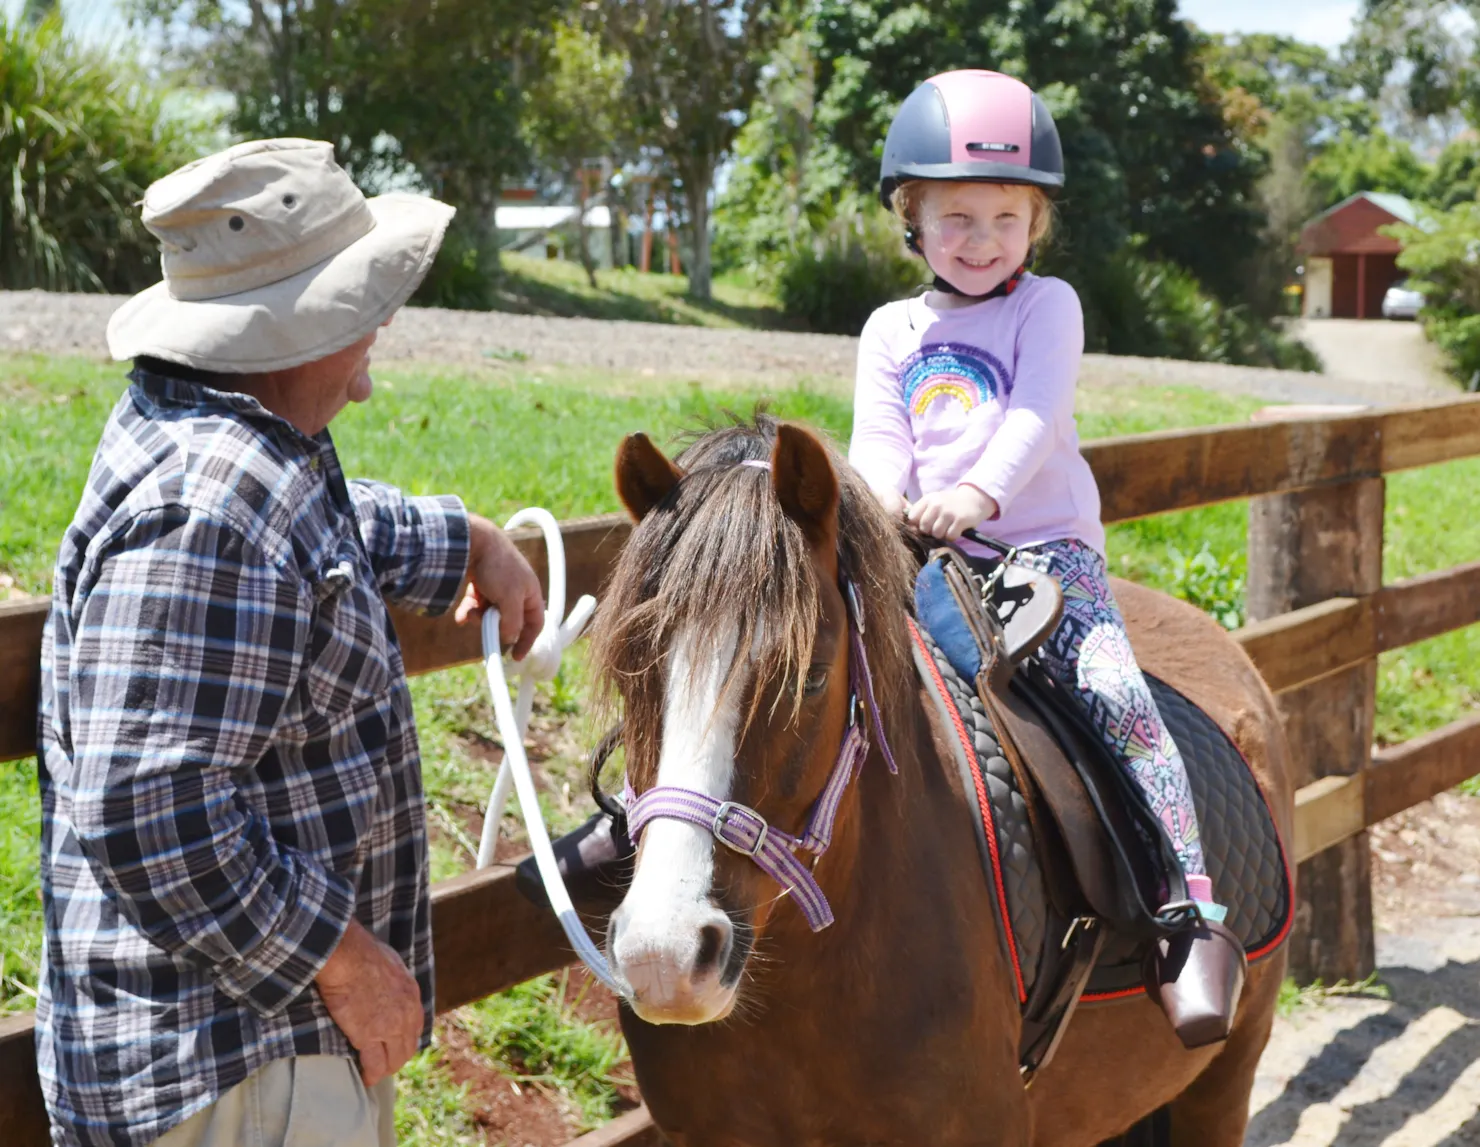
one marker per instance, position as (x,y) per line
(1001,290)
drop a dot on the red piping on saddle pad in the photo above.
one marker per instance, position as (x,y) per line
(983,804)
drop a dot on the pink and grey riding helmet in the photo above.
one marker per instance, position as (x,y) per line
(972,124)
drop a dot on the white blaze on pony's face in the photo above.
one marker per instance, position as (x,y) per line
(668,940)
(725,563)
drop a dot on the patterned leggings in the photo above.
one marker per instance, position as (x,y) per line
(1091,654)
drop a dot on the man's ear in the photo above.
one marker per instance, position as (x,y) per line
(644,475)
(805,484)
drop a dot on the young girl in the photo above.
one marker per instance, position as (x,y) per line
(964,417)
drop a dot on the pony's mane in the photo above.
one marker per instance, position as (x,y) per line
(719,557)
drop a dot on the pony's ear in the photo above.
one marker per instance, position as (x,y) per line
(805,484)
(644,475)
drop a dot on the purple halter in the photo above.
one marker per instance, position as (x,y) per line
(744,830)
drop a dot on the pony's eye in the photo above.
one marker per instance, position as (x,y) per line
(816,682)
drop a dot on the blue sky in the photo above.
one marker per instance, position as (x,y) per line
(1325,22)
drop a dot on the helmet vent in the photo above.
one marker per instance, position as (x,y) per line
(992,147)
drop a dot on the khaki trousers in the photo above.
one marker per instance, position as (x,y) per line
(310,1101)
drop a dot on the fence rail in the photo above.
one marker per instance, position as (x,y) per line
(488,938)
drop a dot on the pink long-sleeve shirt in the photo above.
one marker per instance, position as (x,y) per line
(982,395)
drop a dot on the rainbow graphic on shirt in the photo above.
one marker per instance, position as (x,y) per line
(938,371)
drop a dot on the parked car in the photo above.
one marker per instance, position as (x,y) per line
(1402,301)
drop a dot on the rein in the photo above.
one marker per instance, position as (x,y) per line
(743,830)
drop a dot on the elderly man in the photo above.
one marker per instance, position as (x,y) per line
(234,859)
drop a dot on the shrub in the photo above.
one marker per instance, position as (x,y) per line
(466,273)
(857,263)
(1135,305)
(82,134)
(1444,257)
(1215,585)
(1458,336)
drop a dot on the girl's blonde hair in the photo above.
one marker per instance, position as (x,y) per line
(908,197)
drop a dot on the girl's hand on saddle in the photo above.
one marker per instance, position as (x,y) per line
(946,513)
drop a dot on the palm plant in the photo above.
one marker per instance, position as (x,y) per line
(82,134)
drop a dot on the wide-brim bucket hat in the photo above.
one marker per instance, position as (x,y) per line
(272,258)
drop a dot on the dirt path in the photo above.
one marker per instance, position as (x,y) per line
(1381,352)
(1402,1072)
(74,324)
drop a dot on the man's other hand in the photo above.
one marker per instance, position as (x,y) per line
(500,577)
(374,1000)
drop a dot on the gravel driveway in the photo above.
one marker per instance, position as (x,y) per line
(1380,351)
(74,324)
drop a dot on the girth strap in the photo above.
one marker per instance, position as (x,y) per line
(1044,1025)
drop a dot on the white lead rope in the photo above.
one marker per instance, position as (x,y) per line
(542,663)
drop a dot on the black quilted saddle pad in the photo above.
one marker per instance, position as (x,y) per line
(1246,859)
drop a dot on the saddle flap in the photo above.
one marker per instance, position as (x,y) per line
(1052,785)
(1144,871)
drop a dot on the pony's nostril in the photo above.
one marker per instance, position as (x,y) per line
(714,946)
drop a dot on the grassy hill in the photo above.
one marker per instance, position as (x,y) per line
(533,286)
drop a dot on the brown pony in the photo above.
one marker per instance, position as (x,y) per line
(725,634)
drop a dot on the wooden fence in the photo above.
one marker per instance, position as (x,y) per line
(1315,542)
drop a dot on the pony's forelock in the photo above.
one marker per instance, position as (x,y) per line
(720,557)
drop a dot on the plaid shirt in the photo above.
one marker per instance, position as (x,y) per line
(229,766)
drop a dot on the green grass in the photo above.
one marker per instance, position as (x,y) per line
(517,435)
(559,287)
(430,1107)
(538,1029)
(1294,997)
(20,886)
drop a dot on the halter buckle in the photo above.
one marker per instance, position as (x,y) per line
(722,819)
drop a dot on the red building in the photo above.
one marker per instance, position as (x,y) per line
(1349,263)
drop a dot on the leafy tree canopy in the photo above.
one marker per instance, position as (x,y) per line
(1455,177)
(1282,74)
(1445,256)
(1376,162)
(431,90)
(1424,49)
(578,115)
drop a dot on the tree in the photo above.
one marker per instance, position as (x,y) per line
(693,66)
(1284,76)
(1444,255)
(771,196)
(577,111)
(84,134)
(1455,178)
(1375,162)
(429,92)
(1416,59)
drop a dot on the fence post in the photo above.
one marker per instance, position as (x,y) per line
(1306,547)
